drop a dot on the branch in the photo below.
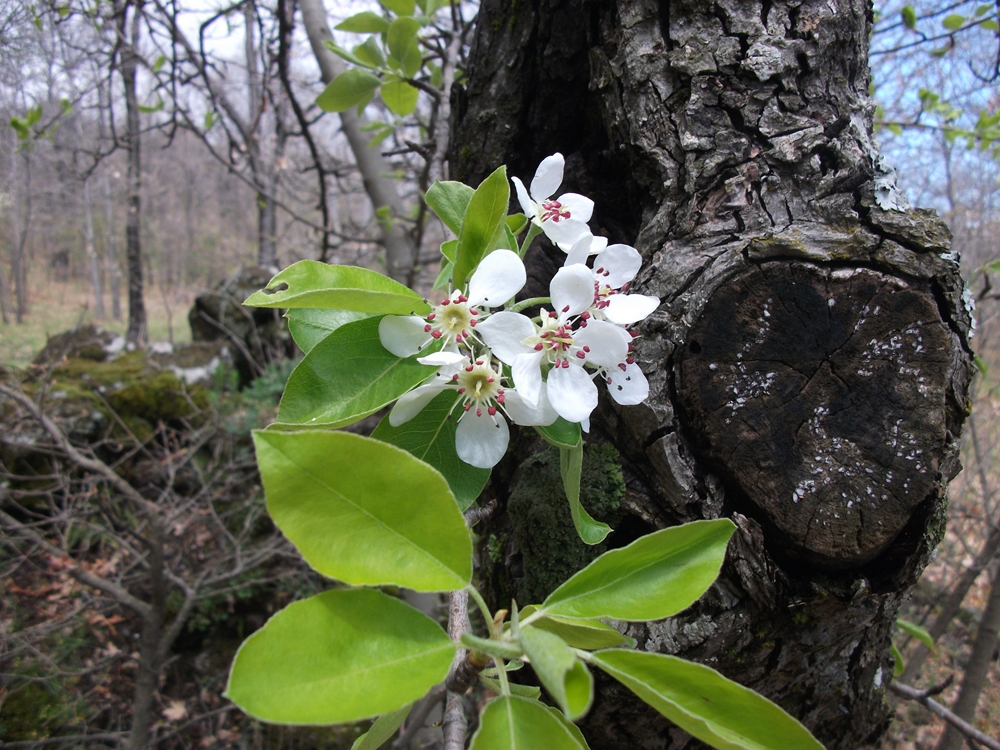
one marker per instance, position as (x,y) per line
(108,737)
(922,697)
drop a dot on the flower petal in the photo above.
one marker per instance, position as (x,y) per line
(527,374)
(572,393)
(503,332)
(527,205)
(410,404)
(548,177)
(580,207)
(499,277)
(608,343)
(579,251)
(626,309)
(523,413)
(565,231)
(404,336)
(628,387)
(572,290)
(442,358)
(481,441)
(620,264)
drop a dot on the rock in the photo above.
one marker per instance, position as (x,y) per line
(196,363)
(83,342)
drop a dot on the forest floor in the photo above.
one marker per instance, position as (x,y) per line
(56,306)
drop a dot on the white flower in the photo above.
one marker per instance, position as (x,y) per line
(614,268)
(482,435)
(563,219)
(498,278)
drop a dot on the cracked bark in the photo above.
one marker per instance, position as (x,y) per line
(730,142)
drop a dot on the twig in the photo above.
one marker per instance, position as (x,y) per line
(454,723)
(923,698)
(108,737)
(417,718)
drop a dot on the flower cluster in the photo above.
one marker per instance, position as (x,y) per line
(530,369)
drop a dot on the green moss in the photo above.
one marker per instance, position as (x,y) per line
(29,712)
(494,547)
(542,526)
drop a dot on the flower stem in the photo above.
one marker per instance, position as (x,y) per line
(495,634)
(517,307)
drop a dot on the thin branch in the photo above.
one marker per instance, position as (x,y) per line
(921,697)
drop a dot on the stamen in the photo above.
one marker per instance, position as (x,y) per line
(427,328)
(566,309)
(586,349)
(446,302)
(431,316)
(436,334)
(539,346)
(630,361)
(622,367)
(470,368)
(492,411)
(581,355)
(479,412)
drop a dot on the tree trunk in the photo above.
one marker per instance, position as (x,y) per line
(110,260)
(20,259)
(136,333)
(808,365)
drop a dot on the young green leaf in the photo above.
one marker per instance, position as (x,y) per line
(354,520)
(915,631)
(310,325)
(399,7)
(310,283)
(370,53)
(399,96)
(347,376)
(516,223)
(656,576)
(450,200)
(591,531)
(706,705)
(430,436)
(343,655)
(561,434)
(444,275)
(364,23)
(525,691)
(384,727)
(413,60)
(953,22)
(402,32)
(449,249)
(909,17)
(482,224)
(349,56)
(585,634)
(353,86)
(567,679)
(898,665)
(513,723)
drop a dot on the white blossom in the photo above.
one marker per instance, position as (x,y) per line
(563,219)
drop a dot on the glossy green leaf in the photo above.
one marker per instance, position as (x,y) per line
(399,7)
(585,634)
(450,200)
(591,531)
(364,23)
(482,224)
(516,223)
(349,56)
(567,679)
(399,96)
(449,249)
(444,275)
(898,665)
(364,512)
(353,86)
(400,35)
(310,325)
(909,17)
(433,6)
(656,576)
(413,61)
(953,22)
(705,704)
(525,691)
(514,723)
(561,434)
(370,53)
(915,631)
(347,376)
(343,655)
(384,727)
(430,436)
(310,283)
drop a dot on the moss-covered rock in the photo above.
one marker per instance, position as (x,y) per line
(83,342)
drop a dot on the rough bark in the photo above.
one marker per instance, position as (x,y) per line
(809,362)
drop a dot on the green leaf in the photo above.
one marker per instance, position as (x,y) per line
(449,249)
(591,531)
(430,436)
(953,22)
(586,634)
(513,723)
(914,630)
(399,7)
(433,6)
(159,63)
(309,326)
(384,727)
(516,223)
(364,512)
(990,24)
(980,365)
(656,576)
(525,691)
(310,283)
(705,704)
(343,655)
(347,376)
(364,23)
(382,134)
(449,200)
(561,434)
(399,96)
(909,17)
(349,56)
(150,109)
(351,87)
(482,224)
(895,128)
(210,119)
(898,665)
(567,679)
(413,61)
(370,53)
(444,275)
(402,32)
(437,77)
